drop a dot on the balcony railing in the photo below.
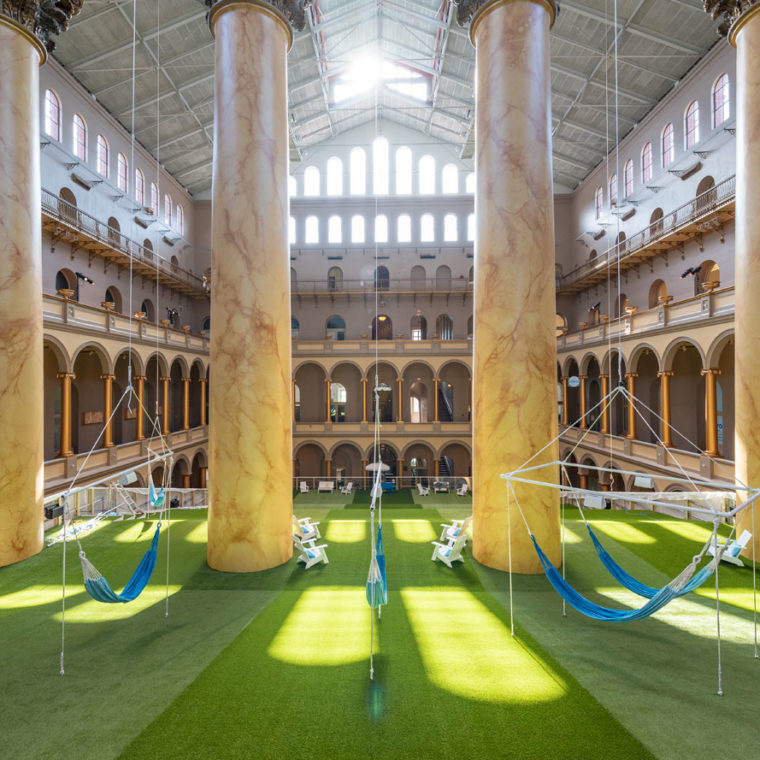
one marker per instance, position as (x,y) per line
(653,237)
(112,243)
(382,285)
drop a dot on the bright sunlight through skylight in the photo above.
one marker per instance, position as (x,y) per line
(366,72)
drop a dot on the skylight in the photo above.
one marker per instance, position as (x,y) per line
(365,73)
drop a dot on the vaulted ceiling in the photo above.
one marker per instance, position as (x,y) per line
(611,61)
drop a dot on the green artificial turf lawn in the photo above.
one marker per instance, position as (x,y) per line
(274,664)
(402,498)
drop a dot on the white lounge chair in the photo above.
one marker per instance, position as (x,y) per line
(309,553)
(462,490)
(450,552)
(305,529)
(422,490)
(347,489)
(451,531)
(304,486)
(735,548)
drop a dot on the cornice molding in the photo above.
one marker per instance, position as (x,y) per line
(469,10)
(732,13)
(41,18)
(293,11)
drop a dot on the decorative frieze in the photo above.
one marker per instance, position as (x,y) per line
(729,11)
(292,10)
(42,18)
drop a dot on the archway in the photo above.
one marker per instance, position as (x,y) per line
(310,379)
(382,327)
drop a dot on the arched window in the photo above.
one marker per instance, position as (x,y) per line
(122,172)
(338,399)
(599,202)
(148,309)
(613,188)
(79,137)
(469,183)
(357,228)
(427,228)
(418,327)
(628,179)
(139,187)
(335,327)
(334,278)
(382,327)
(450,231)
(180,220)
(443,278)
(444,327)
(450,179)
(382,278)
(657,292)
(721,108)
(62,281)
(52,115)
(154,199)
(404,229)
(292,186)
(691,125)
(312,230)
(427,175)
(334,176)
(471,226)
(668,145)
(113,296)
(403,171)
(292,231)
(358,172)
(101,157)
(311,181)
(167,210)
(380,170)
(295,327)
(418,277)
(381,228)
(646,163)
(335,229)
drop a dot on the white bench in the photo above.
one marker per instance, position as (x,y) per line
(326,485)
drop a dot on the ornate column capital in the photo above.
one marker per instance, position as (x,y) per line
(468,11)
(40,18)
(733,15)
(291,12)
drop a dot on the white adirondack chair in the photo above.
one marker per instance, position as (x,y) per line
(305,529)
(309,552)
(735,548)
(451,531)
(422,490)
(450,552)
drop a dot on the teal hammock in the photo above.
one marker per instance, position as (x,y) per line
(659,599)
(100,589)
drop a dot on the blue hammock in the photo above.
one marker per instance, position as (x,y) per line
(586,607)
(622,577)
(100,589)
(380,555)
(156,498)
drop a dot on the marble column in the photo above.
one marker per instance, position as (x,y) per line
(514,346)
(364,399)
(665,408)
(21,388)
(186,403)
(583,379)
(108,409)
(631,406)
(606,404)
(711,412)
(165,403)
(250,431)
(565,411)
(202,381)
(436,382)
(741,23)
(140,434)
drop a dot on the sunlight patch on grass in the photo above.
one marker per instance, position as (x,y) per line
(346,531)
(695,531)
(468,651)
(90,611)
(199,534)
(327,626)
(136,531)
(37,595)
(570,537)
(414,531)
(624,532)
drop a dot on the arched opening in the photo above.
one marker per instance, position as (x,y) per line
(338,399)
(648,392)
(593,395)
(418,327)
(180,475)
(87,413)
(52,366)
(310,462)
(418,402)
(114,232)
(347,464)
(418,278)
(382,327)
(149,310)
(66,280)
(335,328)
(295,327)
(573,393)
(725,400)
(113,297)
(334,278)
(176,397)
(382,278)
(708,277)
(454,393)
(197,472)
(67,205)
(443,278)
(687,399)
(456,461)
(656,224)
(387,392)
(658,293)
(418,391)
(419,459)
(444,327)
(705,197)
(310,381)
(349,377)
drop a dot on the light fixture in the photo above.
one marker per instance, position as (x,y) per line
(84,277)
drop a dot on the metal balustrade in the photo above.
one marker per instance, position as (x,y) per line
(383,285)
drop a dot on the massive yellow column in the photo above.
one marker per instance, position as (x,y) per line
(250,431)
(21,387)
(514,359)
(742,23)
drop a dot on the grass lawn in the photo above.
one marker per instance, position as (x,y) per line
(275,664)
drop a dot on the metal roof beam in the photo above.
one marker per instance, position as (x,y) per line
(637,96)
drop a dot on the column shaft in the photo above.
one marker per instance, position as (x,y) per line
(364,399)
(711,412)
(327,399)
(165,402)
(107,409)
(21,389)
(665,407)
(565,410)
(631,407)
(514,347)
(203,401)
(400,409)
(140,434)
(250,431)
(606,404)
(65,378)
(186,403)
(582,389)
(436,381)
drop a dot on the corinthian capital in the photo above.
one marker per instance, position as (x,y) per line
(729,12)
(42,18)
(468,9)
(292,10)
